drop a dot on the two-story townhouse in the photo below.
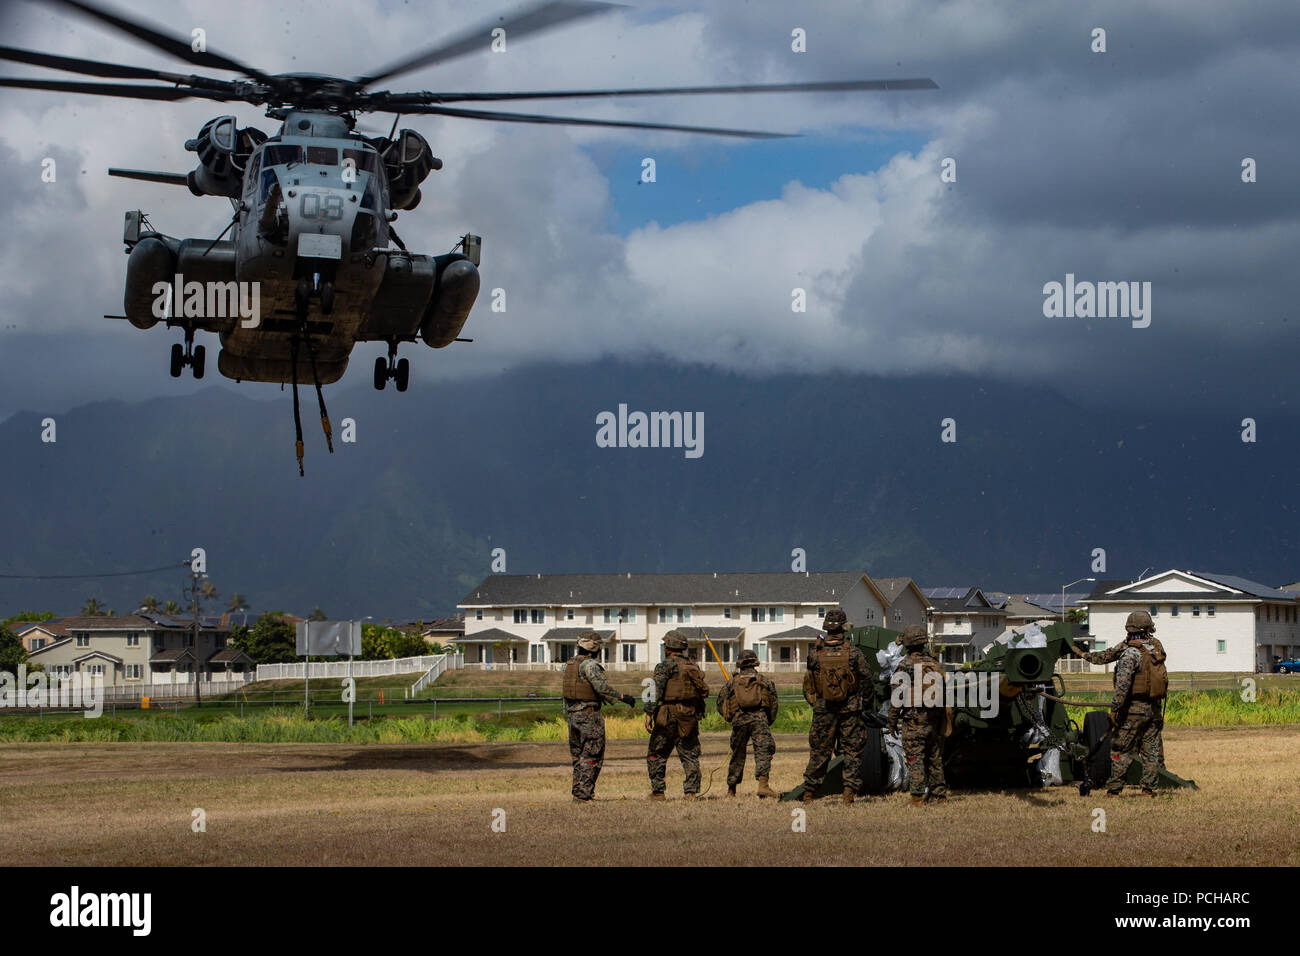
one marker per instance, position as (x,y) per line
(963,622)
(1206,621)
(536,619)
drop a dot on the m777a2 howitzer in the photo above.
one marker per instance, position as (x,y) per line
(1007,722)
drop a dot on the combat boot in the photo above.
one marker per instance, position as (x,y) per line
(731,789)
(1148,793)
(1112,793)
(657,796)
(917,800)
(939,798)
(848,796)
(808,795)
(691,796)
(764,790)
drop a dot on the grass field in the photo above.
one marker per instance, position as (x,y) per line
(419,804)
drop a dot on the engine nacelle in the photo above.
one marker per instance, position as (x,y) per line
(453,297)
(224,151)
(408,160)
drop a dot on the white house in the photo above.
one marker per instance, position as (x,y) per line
(1206,621)
(963,622)
(522,619)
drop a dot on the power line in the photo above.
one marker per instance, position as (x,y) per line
(74,577)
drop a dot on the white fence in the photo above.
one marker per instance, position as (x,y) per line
(442,664)
(177,689)
(398,665)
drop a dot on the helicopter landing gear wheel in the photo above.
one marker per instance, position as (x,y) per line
(197,363)
(381,373)
(403,374)
(178,360)
(327,298)
(302,295)
(392,367)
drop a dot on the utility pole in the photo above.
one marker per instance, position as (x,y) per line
(194,626)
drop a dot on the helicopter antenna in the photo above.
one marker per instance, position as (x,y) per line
(393,132)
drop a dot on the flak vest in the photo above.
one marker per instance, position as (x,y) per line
(1151,682)
(577,687)
(681,688)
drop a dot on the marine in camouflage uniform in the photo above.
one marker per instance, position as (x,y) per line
(585,688)
(1133,714)
(673,720)
(837,725)
(1109,656)
(920,728)
(751,724)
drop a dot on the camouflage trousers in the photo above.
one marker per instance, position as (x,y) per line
(841,732)
(1137,731)
(587,748)
(662,742)
(923,751)
(744,729)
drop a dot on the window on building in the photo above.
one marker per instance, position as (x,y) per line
(776,614)
(568,614)
(134,671)
(1196,610)
(821,612)
(38,643)
(898,614)
(536,654)
(785,651)
(1173,610)
(83,640)
(97,669)
(726,612)
(538,616)
(683,615)
(478,614)
(757,614)
(1209,610)
(521,616)
(1099,645)
(957,621)
(1223,647)
(627,615)
(1154,609)
(629,653)
(133,639)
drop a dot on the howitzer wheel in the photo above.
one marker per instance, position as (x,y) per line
(1095,725)
(873,762)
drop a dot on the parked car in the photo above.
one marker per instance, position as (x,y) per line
(1289,666)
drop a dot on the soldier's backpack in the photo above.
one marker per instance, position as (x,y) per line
(836,681)
(1152,678)
(747,690)
(727,706)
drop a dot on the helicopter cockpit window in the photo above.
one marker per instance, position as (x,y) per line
(364,159)
(280,155)
(323,155)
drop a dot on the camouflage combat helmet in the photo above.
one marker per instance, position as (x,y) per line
(747,659)
(836,620)
(914,636)
(1138,622)
(674,641)
(589,641)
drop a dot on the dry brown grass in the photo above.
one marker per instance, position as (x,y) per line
(426,805)
(548,682)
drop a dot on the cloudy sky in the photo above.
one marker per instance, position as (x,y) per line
(1123,165)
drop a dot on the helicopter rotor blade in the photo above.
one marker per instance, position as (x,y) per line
(883,86)
(533,19)
(99,68)
(152,176)
(127,90)
(435,110)
(168,44)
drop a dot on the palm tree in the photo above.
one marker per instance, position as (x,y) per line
(237,602)
(317,615)
(92,608)
(171,608)
(150,604)
(208,591)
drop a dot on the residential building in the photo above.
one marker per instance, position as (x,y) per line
(37,634)
(963,622)
(143,648)
(1206,621)
(534,620)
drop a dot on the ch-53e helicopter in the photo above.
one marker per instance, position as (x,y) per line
(311,236)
